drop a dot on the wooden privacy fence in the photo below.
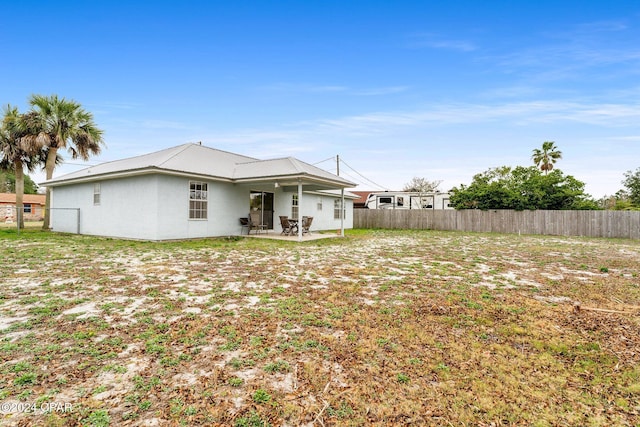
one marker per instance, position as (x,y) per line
(622,224)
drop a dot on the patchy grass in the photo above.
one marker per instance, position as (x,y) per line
(379,328)
(27,224)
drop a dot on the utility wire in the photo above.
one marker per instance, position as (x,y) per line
(81,164)
(356,179)
(364,177)
(366,181)
(351,177)
(325,160)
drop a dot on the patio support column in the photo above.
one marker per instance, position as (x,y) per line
(342,211)
(299,210)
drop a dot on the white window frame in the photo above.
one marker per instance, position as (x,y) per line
(97,190)
(336,209)
(295,206)
(319,204)
(198,200)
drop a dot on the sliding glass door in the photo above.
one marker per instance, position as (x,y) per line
(263,202)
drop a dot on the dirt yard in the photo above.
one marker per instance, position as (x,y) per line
(378,328)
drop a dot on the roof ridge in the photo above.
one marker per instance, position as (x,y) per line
(297,164)
(292,160)
(130,158)
(264,160)
(200,144)
(182,148)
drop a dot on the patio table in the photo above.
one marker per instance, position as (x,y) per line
(293,226)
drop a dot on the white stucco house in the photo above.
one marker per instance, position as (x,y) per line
(193,191)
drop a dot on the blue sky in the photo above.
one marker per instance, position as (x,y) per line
(433,89)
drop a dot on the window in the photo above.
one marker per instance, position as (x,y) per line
(319,204)
(294,206)
(27,208)
(400,201)
(198,200)
(96,194)
(385,200)
(336,209)
(426,202)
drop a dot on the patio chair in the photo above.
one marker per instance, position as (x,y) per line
(286,225)
(306,224)
(244,223)
(255,222)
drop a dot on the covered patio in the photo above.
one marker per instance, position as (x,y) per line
(302,181)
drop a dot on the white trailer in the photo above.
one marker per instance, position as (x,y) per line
(408,200)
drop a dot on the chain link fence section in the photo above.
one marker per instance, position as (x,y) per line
(65,220)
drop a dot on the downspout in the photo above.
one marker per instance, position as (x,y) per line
(299,210)
(342,212)
(342,208)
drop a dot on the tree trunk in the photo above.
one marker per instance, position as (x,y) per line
(49,166)
(19,193)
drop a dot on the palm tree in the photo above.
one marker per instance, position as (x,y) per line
(62,123)
(545,158)
(14,154)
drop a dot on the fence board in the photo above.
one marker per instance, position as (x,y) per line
(619,224)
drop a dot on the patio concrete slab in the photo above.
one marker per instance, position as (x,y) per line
(271,234)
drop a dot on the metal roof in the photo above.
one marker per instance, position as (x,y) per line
(205,162)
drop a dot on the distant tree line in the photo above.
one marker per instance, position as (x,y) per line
(8,183)
(627,198)
(538,187)
(421,185)
(522,188)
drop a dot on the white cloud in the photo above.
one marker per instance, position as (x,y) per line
(569,53)
(451,142)
(435,118)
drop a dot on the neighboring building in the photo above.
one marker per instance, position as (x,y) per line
(33,205)
(192,191)
(434,200)
(361,201)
